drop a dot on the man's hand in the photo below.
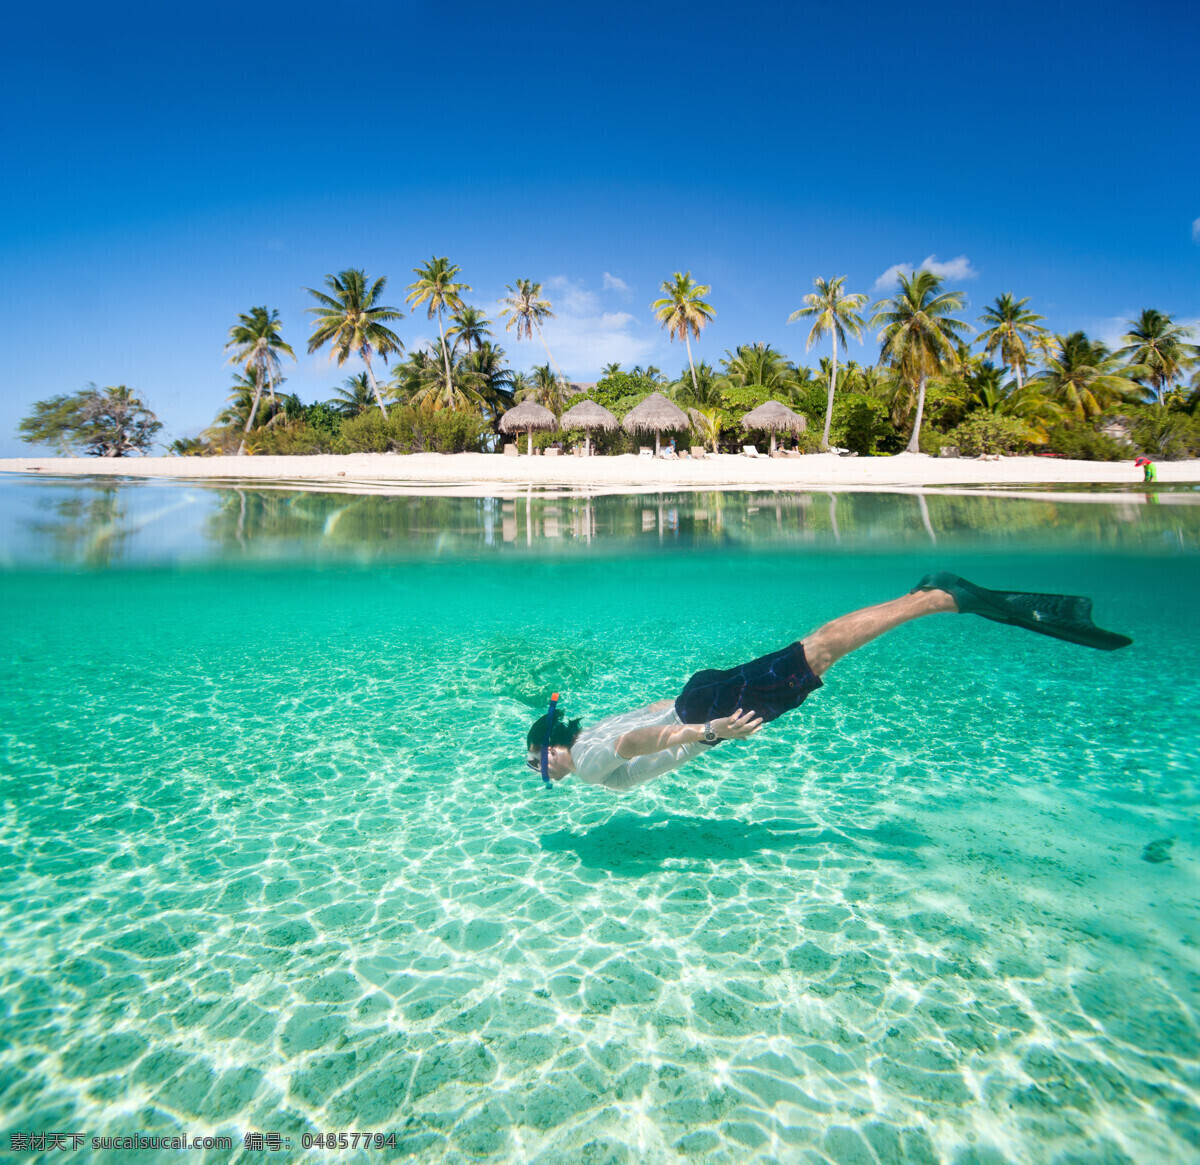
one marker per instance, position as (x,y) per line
(738,726)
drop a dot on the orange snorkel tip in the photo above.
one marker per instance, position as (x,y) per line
(551,716)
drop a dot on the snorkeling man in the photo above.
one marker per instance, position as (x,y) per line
(629,749)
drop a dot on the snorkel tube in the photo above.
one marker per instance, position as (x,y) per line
(551,717)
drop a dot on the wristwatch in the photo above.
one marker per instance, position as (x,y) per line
(710,733)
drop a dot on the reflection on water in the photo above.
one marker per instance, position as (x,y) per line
(100,524)
(90,524)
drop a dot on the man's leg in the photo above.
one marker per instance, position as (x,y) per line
(825,646)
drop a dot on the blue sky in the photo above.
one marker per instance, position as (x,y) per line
(167,167)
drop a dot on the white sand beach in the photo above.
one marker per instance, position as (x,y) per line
(609,474)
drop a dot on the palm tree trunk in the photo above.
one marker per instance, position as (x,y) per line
(262,372)
(374,386)
(691,364)
(561,377)
(250,419)
(832,386)
(446,359)
(1020,378)
(914,442)
(529,447)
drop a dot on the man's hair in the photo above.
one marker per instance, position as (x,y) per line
(563,732)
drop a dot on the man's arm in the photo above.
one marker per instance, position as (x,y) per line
(644,741)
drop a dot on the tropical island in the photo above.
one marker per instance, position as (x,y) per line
(1013,388)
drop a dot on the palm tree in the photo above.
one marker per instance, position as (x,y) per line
(918,335)
(245,399)
(469,325)
(496,379)
(760,364)
(526,309)
(985,388)
(435,285)
(1013,329)
(410,376)
(256,343)
(703,392)
(1158,346)
(708,423)
(354,397)
(353,321)
(609,370)
(442,385)
(682,310)
(545,389)
(833,312)
(875,381)
(1084,377)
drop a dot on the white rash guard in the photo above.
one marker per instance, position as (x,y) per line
(595,749)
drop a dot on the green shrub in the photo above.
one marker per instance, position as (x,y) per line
(1083,443)
(325,420)
(931,441)
(810,398)
(369,432)
(740,399)
(619,392)
(1165,433)
(943,406)
(413,430)
(859,423)
(444,431)
(291,440)
(988,433)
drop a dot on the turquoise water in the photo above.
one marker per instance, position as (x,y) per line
(269,859)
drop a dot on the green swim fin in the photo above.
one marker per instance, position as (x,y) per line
(1066,617)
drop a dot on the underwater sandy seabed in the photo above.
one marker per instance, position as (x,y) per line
(269,861)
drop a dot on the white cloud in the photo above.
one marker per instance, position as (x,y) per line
(959,268)
(583,336)
(889,277)
(612,283)
(951,270)
(1196,230)
(571,298)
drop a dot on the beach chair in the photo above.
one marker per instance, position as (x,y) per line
(645,451)
(698,453)
(750,450)
(511,451)
(552,452)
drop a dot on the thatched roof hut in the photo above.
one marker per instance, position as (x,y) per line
(774,417)
(656,414)
(588,415)
(526,417)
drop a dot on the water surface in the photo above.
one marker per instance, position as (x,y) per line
(269,859)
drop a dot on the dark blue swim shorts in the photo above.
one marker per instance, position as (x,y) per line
(769,686)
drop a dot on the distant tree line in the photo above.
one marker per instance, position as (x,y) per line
(1017,387)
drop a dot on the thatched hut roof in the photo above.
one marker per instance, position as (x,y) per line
(655,415)
(772,417)
(527,415)
(587,414)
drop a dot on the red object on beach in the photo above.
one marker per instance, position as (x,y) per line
(1142,461)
